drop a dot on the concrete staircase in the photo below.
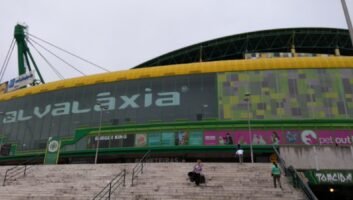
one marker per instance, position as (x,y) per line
(64,182)
(164,181)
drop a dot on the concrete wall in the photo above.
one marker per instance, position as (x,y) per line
(318,157)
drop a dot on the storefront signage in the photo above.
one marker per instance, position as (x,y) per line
(329,177)
(323,137)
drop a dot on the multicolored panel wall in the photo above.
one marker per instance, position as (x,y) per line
(287,94)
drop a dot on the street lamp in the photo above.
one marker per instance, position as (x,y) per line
(247,99)
(99,130)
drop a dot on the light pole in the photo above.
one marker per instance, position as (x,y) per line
(348,19)
(99,130)
(247,99)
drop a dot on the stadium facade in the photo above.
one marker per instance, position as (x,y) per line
(285,86)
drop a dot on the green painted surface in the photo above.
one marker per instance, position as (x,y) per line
(83,133)
(330,177)
(53,150)
(21,47)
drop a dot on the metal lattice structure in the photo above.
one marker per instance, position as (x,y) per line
(304,40)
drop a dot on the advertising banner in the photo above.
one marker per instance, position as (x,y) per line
(196,138)
(21,81)
(260,137)
(140,140)
(103,141)
(111,141)
(163,99)
(122,140)
(154,139)
(181,138)
(223,137)
(167,139)
(324,137)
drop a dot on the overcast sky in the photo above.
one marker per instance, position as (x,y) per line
(119,34)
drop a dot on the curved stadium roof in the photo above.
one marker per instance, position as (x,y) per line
(227,54)
(305,40)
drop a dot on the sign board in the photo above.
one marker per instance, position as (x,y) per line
(339,177)
(53,150)
(20,81)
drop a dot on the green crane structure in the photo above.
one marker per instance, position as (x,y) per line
(24,55)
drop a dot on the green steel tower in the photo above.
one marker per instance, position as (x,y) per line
(24,55)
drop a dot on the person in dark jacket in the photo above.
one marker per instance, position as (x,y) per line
(195,175)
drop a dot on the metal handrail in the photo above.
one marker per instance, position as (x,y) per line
(139,167)
(16,171)
(112,186)
(297,180)
(299,183)
(281,162)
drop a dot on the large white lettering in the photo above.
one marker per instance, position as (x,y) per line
(21,116)
(334,177)
(41,114)
(129,101)
(10,117)
(104,99)
(76,109)
(61,109)
(170,99)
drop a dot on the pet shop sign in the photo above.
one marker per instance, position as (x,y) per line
(323,137)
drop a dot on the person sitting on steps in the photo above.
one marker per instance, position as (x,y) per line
(196,175)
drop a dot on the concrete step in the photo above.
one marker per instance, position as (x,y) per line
(159,181)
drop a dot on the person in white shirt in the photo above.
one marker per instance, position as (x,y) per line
(239,153)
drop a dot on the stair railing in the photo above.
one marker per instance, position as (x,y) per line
(112,186)
(297,180)
(18,171)
(139,167)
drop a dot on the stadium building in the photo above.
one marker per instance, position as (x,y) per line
(283,87)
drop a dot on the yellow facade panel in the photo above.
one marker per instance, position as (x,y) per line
(191,68)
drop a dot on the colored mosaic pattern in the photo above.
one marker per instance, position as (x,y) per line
(287,94)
